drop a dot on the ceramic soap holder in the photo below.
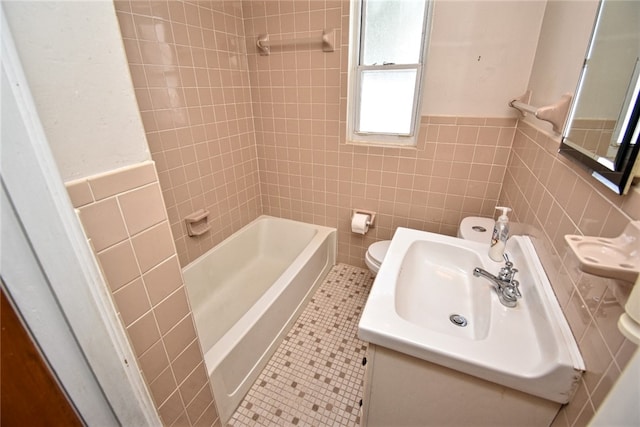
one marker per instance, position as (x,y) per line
(616,258)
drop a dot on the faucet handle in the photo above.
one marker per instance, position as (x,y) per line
(516,288)
(507,262)
(512,290)
(515,285)
(507,272)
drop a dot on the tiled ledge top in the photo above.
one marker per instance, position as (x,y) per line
(97,187)
(469,121)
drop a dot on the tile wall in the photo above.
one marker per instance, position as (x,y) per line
(308,172)
(554,197)
(191,79)
(125,220)
(202,87)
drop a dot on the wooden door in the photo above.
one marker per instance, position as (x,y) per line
(29,392)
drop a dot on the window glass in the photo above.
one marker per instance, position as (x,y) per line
(386,70)
(392,31)
(386,102)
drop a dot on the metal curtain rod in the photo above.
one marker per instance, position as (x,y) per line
(327,40)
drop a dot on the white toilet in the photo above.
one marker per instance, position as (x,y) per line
(471,228)
(476,228)
(375,255)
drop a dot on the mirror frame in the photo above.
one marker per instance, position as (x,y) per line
(619,177)
(617,180)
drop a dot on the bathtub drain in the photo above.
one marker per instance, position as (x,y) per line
(458,320)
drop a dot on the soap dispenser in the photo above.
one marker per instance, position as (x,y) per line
(500,235)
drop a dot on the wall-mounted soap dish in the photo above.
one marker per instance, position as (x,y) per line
(197,223)
(616,258)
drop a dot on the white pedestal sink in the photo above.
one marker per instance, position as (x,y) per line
(426,278)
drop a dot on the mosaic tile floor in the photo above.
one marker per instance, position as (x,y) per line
(315,377)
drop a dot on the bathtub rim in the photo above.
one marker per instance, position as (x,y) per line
(229,340)
(217,358)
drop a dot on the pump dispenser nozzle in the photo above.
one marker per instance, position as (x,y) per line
(500,235)
(505,211)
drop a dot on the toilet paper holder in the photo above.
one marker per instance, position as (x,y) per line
(372,216)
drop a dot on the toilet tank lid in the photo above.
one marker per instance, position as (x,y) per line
(378,250)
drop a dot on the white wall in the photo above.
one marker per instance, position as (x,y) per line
(480,56)
(74,60)
(564,38)
(620,408)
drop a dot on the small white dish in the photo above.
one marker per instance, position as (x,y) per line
(616,258)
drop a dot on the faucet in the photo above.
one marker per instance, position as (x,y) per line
(504,284)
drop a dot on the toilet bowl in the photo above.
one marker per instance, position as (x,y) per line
(375,255)
(476,228)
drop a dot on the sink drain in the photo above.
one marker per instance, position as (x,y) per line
(458,320)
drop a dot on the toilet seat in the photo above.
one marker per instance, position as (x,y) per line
(375,255)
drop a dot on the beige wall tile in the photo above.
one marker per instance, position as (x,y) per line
(210,414)
(172,409)
(153,246)
(103,223)
(132,301)
(163,386)
(577,403)
(143,333)
(119,265)
(181,336)
(142,208)
(172,310)
(597,356)
(154,361)
(186,362)
(197,406)
(79,192)
(121,180)
(605,385)
(163,280)
(191,387)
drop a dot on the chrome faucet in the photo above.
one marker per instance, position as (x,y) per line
(504,284)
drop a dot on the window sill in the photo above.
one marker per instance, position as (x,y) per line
(382,144)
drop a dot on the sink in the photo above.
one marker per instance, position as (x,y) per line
(430,289)
(425,302)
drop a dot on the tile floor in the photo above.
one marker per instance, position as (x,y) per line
(315,377)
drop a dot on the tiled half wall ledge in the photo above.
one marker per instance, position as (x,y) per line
(125,221)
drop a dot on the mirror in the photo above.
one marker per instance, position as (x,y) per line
(602,129)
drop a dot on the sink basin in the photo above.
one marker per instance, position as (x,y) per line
(430,289)
(425,302)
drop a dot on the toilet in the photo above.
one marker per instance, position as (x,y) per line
(474,228)
(375,255)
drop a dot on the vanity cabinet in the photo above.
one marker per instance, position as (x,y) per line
(401,390)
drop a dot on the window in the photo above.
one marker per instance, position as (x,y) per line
(388,47)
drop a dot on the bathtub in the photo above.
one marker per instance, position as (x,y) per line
(245,294)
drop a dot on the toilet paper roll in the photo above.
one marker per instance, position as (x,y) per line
(360,223)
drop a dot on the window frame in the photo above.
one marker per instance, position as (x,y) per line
(355,77)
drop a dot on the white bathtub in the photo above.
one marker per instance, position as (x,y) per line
(246,293)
